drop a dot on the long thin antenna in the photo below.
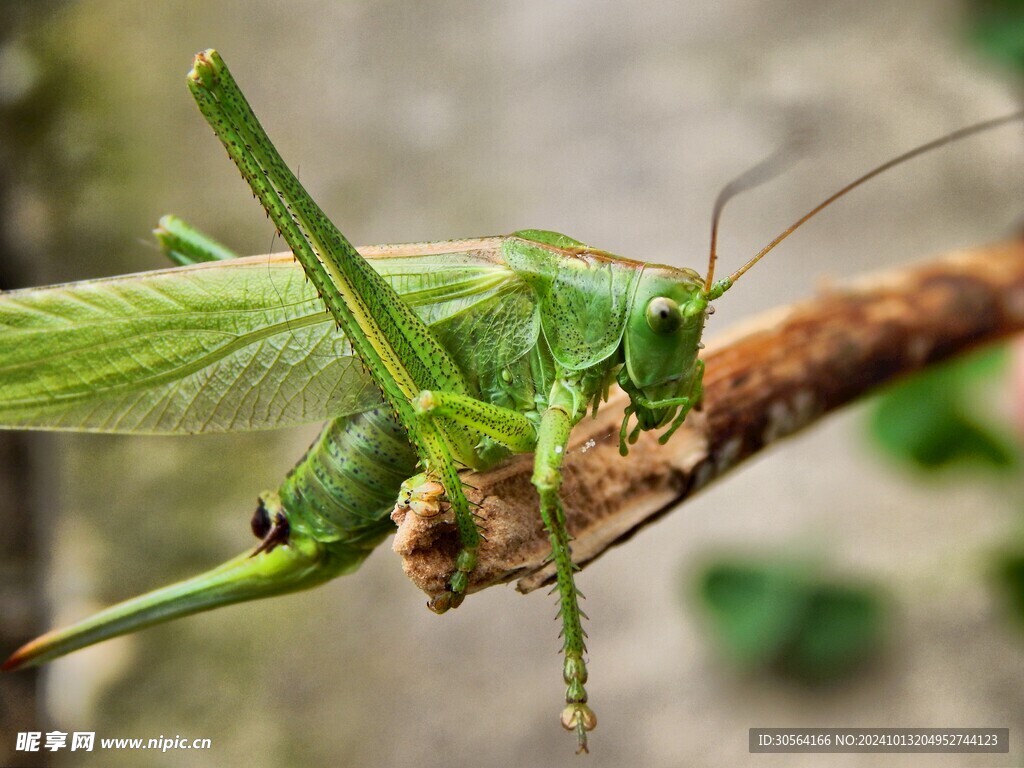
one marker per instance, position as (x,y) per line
(949,138)
(764,171)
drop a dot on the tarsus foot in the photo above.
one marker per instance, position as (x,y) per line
(580,718)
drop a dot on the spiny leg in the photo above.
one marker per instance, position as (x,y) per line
(516,432)
(552,440)
(399,350)
(503,425)
(469,540)
(403,354)
(507,427)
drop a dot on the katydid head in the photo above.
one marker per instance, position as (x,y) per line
(661,342)
(662,373)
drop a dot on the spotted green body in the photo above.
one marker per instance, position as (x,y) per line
(345,486)
(432,358)
(496,304)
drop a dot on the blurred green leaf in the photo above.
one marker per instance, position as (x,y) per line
(777,614)
(1009,576)
(930,420)
(840,628)
(997,29)
(753,607)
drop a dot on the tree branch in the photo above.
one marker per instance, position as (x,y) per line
(778,374)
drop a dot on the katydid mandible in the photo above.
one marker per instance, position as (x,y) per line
(433,358)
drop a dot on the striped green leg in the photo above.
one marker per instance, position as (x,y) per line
(516,432)
(401,353)
(507,427)
(553,437)
(503,425)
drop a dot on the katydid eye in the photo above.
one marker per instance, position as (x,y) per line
(663,315)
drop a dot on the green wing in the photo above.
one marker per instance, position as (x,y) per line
(233,345)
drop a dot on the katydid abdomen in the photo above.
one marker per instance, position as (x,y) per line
(345,487)
(332,510)
(93,356)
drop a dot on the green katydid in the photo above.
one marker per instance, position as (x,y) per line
(433,358)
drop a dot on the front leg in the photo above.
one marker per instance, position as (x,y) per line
(552,439)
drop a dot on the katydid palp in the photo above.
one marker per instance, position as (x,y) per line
(450,355)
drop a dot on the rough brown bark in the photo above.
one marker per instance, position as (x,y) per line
(778,374)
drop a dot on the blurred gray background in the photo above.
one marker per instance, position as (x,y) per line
(616,123)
